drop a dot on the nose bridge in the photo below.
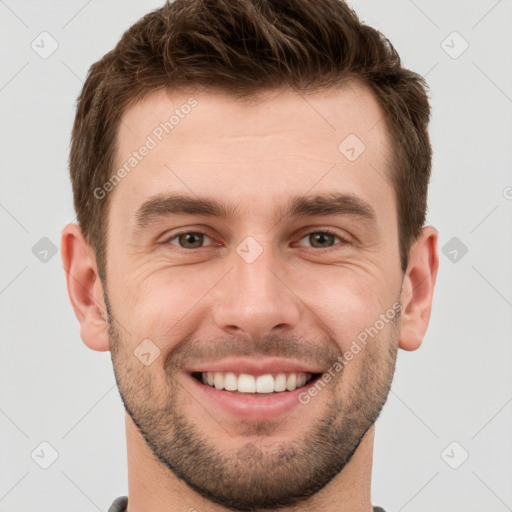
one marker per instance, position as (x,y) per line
(254,299)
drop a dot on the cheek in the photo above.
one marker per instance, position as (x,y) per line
(158,304)
(369,362)
(345,300)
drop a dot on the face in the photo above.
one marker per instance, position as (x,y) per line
(277,264)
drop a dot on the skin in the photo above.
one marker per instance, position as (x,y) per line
(299,299)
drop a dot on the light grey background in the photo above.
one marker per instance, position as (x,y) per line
(456,388)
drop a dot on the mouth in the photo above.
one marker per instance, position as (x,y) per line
(253,389)
(264,385)
(245,396)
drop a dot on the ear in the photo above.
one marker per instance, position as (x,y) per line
(84,288)
(418,289)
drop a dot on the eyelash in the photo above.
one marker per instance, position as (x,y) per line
(343,241)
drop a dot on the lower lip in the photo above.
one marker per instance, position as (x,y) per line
(253,406)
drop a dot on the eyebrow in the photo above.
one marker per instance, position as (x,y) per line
(299,206)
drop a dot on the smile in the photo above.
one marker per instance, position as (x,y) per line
(246,396)
(265,384)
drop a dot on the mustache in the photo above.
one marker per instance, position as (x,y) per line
(194,351)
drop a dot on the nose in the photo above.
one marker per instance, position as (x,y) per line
(256,299)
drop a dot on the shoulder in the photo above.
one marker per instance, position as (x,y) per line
(119,504)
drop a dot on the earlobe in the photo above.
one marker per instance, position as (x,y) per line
(418,289)
(84,288)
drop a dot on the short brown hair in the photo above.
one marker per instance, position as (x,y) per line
(243,47)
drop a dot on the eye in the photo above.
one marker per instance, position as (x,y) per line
(324,239)
(189,239)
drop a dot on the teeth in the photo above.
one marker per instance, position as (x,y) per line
(245,383)
(291,382)
(218,380)
(265,384)
(280,382)
(230,381)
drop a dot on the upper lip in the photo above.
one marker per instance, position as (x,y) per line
(255,366)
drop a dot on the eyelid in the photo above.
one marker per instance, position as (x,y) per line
(304,233)
(186,232)
(309,231)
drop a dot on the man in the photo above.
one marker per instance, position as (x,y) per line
(250,180)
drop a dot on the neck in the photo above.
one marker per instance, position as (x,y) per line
(152,486)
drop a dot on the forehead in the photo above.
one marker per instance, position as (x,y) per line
(276,145)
